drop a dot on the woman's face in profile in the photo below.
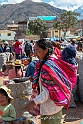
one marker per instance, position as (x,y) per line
(39,52)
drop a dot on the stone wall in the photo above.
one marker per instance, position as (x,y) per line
(21,93)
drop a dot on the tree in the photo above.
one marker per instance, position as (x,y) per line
(28,32)
(36,26)
(67,20)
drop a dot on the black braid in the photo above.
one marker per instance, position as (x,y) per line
(44,44)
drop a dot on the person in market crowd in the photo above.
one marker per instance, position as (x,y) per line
(73,42)
(1,48)
(7,110)
(32,44)
(28,49)
(18,50)
(30,69)
(44,81)
(56,47)
(17,71)
(12,48)
(24,55)
(7,50)
(69,53)
(82,44)
(79,47)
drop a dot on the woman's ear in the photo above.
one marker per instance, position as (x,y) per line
(46,50)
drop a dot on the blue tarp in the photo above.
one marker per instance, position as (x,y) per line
(47,18)
(54,39)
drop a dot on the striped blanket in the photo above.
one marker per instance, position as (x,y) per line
(59,78)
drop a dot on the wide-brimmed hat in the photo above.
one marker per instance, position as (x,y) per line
(8,91)
(18,63)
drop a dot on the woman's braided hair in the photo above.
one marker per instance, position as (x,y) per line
(44,44)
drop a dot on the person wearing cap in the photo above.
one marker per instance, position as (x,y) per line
(69,56)
(17,71)
(7,110)
(69,53)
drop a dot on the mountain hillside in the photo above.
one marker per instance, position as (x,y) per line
(80,10)
(21,11)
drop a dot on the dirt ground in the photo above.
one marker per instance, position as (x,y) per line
(70,116)
(73,115)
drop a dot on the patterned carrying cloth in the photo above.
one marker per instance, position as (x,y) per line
(59,77)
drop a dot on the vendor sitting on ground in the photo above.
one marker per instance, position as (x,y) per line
(17,71)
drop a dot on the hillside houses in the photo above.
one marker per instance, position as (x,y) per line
(16,31)
(7,35)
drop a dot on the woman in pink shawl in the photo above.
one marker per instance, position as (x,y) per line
(53,84)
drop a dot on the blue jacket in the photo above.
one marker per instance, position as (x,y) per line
(1,50)
(30,69)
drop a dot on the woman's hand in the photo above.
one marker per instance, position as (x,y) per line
(30,105)
(31,78)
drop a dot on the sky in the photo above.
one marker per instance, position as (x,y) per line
(62,4)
